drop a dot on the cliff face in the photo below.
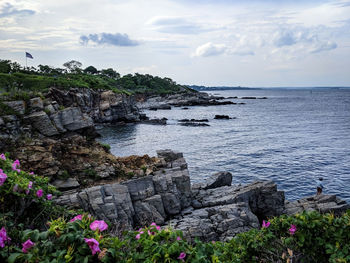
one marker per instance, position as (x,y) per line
(101,106)
(213,210)
(54,135)
(63,111)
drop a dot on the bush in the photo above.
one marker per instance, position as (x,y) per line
(67,237)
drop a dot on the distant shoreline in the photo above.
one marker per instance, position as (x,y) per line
(205,88)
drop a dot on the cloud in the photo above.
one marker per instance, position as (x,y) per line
(210,49)
(325,46)
(309,39)
(116,39)
(243,52)
(10,10)
(176,25)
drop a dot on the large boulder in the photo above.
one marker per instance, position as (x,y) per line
(109,202)
(42,123)
(321,203)
(72,119)
(140,188)
(217,223)
(18,106)
(216,180)
(67,184)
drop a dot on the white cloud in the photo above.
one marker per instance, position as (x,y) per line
(283,34)
(209,49)
(324,46)
(179,25)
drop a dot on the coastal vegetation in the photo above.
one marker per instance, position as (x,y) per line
(17,82)
(35,229)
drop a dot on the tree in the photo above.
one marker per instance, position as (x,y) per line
(111,73)
(5,66)
(73,66)
(90,70)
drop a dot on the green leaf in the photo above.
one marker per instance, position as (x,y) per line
(12,258)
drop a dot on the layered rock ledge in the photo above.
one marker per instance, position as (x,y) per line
(213,210)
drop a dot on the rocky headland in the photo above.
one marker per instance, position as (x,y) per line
(213,210)
(54,135)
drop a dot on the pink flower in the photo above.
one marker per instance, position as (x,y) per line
(30,185)
(158,228)
(27,191)
(78,217)
(31,173)
(3,177)
(14,166)
(182,256)
(178,238)
(98,224)
(150,233)
(93,245)
(292,229)
(153,224)
(39,193)
(15,188)
(2,156)
(3,237)
(138,236)
(49,196)
(265,224)
(27,245)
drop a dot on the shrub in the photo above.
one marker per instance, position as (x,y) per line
(73,237)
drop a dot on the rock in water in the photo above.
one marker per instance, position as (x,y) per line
(222,117)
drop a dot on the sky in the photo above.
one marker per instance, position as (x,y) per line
(254,43)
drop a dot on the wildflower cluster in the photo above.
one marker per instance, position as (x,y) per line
(14,181)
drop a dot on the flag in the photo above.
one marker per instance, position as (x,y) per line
(28,55)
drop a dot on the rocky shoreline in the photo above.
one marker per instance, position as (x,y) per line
(54,135)
(213,210)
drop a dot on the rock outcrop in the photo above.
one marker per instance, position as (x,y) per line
(180,100)
(213,210)
(62,111)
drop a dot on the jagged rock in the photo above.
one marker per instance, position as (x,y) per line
(193,124)
(169,155)
(161,107)
(193,120)
(50,109)
(150,210)
(140,188)
(67,184)
(262,197)
(205,212)
(18,106)
(102,107)
(2,121)
(72,119)
(321,203)
(222,117)
(171,203)
(36,103)
(41,122)
(110,202)
(216,180)
(155,121)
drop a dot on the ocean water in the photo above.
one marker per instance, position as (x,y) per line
(292,138)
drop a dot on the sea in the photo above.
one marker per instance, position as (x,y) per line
(292,138)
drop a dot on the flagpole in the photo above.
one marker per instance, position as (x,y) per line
(26,58)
